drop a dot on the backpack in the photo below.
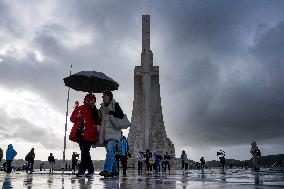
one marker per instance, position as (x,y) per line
(123,146)
(27,158)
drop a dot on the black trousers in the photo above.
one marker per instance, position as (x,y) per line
(9,167)
(184,166)
(139,166)
(149,166)
(123,160)
(167,164)
(117,158)
(31,165)
(86,161)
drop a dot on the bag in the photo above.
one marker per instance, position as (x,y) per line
(100,133)
(117,123)
(80,132)
(258,153)
(27,158)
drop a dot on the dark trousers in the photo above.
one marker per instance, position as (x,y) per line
(123,160)
(139,166)
(74,164)
(117,158)
(9,167)
(30,166)
(167,164)
(86,161)
(149,166)
(184,166)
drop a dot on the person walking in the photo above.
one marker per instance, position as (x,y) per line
(51,162)
(84,132)
(123,148)
(167,159)
(140,158)
(110,135)
(30,157)
(255,152)
(75,157)
(202,164)
(184,161)
(10,155)
(221,155)
(148,156)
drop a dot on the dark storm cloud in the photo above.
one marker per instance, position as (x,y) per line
(237,112)
(20,128)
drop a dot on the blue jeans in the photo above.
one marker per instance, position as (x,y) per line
(110,161)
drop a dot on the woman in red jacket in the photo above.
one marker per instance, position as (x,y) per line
(84,132)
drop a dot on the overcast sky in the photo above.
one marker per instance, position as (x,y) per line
(221,70)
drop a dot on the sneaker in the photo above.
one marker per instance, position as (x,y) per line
(79,175)
(103,173)
(89,174)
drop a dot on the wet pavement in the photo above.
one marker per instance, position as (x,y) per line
(212,178)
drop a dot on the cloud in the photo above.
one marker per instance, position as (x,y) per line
(238,111)
(22,129)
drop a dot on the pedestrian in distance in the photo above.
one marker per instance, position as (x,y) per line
(255,152)
(30,158)
(10,155)
(167,159)
(51,162)
(184,161)
(75,158)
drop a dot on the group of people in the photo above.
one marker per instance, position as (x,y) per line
(154,161)
(93,126)
(30,157)
(255,152)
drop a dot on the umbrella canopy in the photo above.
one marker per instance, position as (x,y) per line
(90,81)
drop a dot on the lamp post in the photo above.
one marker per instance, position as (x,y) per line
(64,157)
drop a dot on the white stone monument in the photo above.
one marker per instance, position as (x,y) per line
(148,129)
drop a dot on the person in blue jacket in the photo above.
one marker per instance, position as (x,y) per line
(10,155)
(123,152)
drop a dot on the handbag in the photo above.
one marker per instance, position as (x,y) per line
(80,132)
(100,136)
(117,123)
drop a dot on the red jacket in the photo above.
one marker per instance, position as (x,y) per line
(90,133)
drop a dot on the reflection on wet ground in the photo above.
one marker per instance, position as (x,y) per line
(212,178)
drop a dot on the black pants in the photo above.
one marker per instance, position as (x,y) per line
(123,160)
(86,161)
(74,164)
(117,158)
(139,166)
(184,166)
(167,164)
(31,165)
(9,167)
(149,165)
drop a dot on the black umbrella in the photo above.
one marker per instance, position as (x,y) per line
(90,81)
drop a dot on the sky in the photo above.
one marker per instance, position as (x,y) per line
(221,70)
